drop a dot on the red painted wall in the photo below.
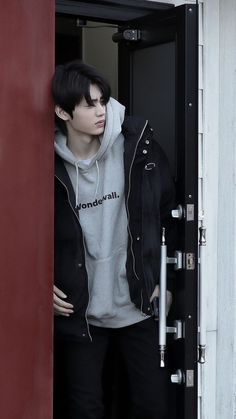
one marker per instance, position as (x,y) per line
(26,208)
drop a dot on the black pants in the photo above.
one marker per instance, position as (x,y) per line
(79,367)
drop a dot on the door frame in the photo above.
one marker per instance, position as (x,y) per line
(114,11)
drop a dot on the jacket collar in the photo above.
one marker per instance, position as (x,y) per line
(133,126)
(136,131)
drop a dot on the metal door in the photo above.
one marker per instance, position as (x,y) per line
(158,79)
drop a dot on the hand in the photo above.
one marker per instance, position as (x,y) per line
(169,298)
(61,307)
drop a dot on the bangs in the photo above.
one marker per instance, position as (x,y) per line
(79,88)
(105,91)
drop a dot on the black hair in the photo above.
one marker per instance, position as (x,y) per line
(71,83)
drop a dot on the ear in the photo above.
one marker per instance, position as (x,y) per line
(61,113)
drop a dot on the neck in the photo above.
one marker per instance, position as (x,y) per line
(83,146)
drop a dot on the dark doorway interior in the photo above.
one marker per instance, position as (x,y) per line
(155,78)
(68,40)
(92,42)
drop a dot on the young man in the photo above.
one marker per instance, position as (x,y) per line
(113,192)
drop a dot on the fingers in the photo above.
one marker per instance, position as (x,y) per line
(169,299)
(58,292)
(155,293)
(61,307)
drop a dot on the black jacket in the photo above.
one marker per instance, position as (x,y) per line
(149,194)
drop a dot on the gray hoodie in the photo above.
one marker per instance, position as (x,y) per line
(99,189)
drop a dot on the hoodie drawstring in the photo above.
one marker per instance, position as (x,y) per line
(98,179)
(77,186)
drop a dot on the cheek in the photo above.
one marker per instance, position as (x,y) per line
(83,119)
(88,114)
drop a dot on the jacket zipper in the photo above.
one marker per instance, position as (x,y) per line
(86,318)
(128,214)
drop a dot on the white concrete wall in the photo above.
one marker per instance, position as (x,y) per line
(219,192)
(209,41)
(226,345)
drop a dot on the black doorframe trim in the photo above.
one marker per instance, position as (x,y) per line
(187,116)
(141,4)
(115,11)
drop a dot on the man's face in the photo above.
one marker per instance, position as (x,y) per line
(89,120)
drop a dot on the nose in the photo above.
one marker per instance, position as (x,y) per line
(100,109)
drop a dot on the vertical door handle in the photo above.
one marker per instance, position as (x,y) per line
(202,297)
(162,300)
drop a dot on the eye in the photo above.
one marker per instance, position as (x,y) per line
(89,106)
(102,102)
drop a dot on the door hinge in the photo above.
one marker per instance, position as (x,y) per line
(130,35)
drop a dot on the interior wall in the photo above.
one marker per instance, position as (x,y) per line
(100,51)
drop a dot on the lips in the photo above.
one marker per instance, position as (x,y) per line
(100,123)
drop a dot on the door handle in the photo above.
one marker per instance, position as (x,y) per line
(163,329)
(162,300)
(202,297)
